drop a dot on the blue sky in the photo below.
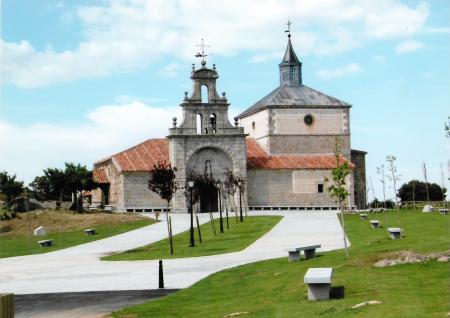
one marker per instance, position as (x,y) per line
(83,79)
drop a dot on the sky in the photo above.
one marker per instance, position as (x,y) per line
(81,80)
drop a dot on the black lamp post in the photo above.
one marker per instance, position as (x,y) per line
(191,241)
(219,187)
(241,219)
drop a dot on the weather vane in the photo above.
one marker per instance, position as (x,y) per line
(202,51)
(288,31)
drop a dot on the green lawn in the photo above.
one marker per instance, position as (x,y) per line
(239,236)
(16,245)
(275,288)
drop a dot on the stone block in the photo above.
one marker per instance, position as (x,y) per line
(319,283)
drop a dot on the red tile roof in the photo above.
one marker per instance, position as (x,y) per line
(143,156)
(99,175)
(257,158)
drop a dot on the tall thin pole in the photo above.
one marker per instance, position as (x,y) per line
(373,191)
(426,182)
(191,241)
(442,186)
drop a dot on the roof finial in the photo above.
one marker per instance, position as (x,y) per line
(202,52)
(288,31)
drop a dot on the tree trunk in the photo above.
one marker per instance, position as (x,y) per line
(343,229)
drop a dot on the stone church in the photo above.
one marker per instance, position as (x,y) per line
(282,147)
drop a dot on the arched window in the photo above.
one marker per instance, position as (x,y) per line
(199,124)
(205,96)
(213,122)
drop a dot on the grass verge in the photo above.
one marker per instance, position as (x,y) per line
(275,288)
(239,236)
(66,230)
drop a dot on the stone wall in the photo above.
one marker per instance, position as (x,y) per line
(137,194)
(276,188)
(359,175)
(309,144)
(116,195)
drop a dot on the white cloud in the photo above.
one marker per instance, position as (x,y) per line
(107,129)
(408,46)
(380,59)
(351,68)
(126,35)
(170,70)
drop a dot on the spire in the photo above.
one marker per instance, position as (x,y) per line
(290,56)
(290,66)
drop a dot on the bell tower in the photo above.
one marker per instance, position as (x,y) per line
(205,134)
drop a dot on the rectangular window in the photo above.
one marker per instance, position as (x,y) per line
(320,188)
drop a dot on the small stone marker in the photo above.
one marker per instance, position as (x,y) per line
(443,211)
(45,243)
(88,232)
(427,208)
(40,231)
(375,224)
(395,233)
(363,216)
(319,283)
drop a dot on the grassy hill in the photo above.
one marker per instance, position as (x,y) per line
(275,288)
(65,228)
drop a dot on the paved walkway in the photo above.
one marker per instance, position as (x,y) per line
(79,268)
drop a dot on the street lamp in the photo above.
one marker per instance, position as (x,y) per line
(191,241)
(241,219)
(219,187)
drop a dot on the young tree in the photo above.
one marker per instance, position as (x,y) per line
(10,187)
(394,177)
(338,188)
(382,175)
(162,182)
(447,127)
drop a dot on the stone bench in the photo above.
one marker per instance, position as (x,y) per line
(88,232)
(443,211)
(309,252)
(363,216)
(319,283)
(395,233)
(375,224)
(45,243)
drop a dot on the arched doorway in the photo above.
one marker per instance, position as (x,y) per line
(209,163)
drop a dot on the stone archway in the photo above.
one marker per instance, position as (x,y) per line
(213,162)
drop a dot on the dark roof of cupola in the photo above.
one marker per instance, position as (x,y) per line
(292,96)
(289,55)
(292,93)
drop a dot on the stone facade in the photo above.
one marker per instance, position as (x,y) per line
(294,129)
(206,141)
(283,188)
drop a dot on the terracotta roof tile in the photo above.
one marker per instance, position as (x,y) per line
(143,156)
(99,175)
(257,158)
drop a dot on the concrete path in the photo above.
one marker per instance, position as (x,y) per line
(79,268)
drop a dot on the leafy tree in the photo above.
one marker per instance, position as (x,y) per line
(50,186)
(338,188)
(58,184)
(10,187)
(162,182)
(415,190)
